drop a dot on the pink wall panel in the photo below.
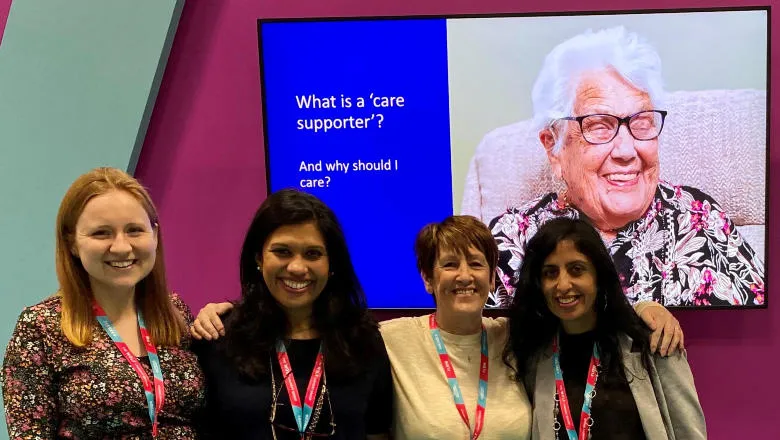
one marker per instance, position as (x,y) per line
(5,6)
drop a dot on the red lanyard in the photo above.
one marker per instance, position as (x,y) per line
(590,387)
(449,371)
(155,394)
(302,415)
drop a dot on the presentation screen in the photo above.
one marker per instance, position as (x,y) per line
(651,125)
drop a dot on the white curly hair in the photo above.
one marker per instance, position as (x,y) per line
(632,57)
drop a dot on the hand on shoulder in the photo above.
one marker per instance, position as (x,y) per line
(208,324)
(667,337)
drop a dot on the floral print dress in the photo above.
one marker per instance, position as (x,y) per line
(52,389)
(685,251)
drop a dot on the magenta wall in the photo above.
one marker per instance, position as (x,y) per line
(204,163)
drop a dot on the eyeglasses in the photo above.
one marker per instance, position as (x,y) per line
(324,396)
(601,128)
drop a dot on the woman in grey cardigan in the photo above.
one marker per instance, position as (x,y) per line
(584,355)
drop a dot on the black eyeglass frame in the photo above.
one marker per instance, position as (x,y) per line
(621,121)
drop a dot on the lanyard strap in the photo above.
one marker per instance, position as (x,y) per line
(302,415)
(449,371)
(590,387)
(155,392)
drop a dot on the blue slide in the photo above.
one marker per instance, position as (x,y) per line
(357,113)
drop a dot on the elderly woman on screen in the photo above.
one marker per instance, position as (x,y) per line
(599,110)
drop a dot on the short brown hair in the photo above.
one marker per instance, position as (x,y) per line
(165,325)
(456,233)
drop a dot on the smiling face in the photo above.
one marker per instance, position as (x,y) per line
(569,286)
(115,242)
(295,265)
(612,183)
(460,283)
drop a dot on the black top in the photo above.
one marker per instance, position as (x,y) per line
(238,407)
(614,412)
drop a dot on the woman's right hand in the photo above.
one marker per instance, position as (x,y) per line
(207,324)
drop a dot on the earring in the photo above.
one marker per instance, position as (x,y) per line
(566,201)
(605,302)
(563,199)
(259,269)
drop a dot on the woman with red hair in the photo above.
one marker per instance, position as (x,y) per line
(106,356)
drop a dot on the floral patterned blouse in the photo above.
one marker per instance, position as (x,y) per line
(685,251)
(52,389)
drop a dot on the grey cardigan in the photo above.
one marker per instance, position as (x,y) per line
(666,397)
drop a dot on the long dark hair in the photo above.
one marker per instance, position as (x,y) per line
(349,334)
(531,324)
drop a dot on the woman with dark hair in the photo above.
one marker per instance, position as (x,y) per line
(301,324)
(576,343)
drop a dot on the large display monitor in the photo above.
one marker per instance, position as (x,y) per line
(651,124)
